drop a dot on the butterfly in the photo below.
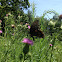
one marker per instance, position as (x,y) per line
(35,30)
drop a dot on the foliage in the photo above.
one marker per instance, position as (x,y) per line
(14,6)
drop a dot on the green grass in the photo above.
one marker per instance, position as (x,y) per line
(12,50)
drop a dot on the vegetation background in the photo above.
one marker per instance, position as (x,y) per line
(14,28)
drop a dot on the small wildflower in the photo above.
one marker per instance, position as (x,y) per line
(28,26)
(0,31)
(12,25)
(50,44)
(52,23)
(9,13)
(6,14)
(0,21)
(27,41)
(13,34)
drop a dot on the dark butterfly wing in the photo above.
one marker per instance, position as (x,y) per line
(40,34)
(34,30)
(35,25)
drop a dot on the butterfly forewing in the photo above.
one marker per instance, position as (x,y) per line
(35,25)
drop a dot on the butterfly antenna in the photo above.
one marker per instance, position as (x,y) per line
(33,38)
